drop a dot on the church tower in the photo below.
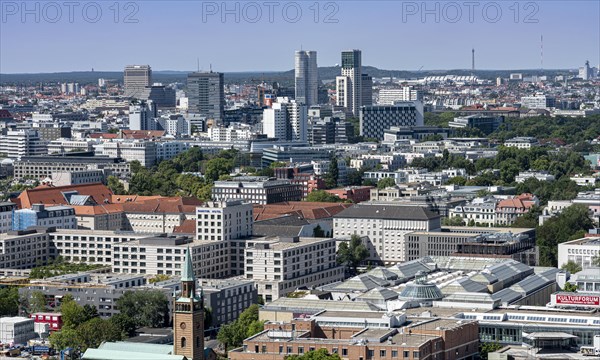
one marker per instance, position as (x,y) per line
(188,319)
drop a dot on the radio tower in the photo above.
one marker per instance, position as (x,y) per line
(473,62)
(542,52)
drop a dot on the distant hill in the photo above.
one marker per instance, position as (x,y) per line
(285,78)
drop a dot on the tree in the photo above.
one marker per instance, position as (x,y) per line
(37,302)
(73,314)
(217,167)
(65,338)
(135,166)
(320,354)
(454,221)
(318,232)
(487,347)
(233,334)
(124,323)
(332,176)
(386,183)
(559,229)
(322,196)
(115,185)
(457,180)
(9,301)
(146,308)
(353,253)
(570,287)
(572,267)
(596,260)
(94,332)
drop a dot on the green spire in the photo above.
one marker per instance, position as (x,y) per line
(188,268)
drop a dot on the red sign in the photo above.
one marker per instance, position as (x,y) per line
(578,299)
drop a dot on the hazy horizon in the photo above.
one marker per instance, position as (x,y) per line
(50,37)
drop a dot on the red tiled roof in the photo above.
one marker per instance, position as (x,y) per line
(89,210)
(53,195)
(5,114)
(174,205)
(186,227)
(103,136)
(142,134)
(304,210)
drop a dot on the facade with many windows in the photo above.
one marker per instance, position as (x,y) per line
(282,265)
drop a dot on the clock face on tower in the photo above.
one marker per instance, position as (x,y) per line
(182,326)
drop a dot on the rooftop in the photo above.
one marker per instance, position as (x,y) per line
(391,212)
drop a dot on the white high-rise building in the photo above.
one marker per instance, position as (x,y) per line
(21,142)
(349,84)
(141,116)
(307,79)
(286,120)
(584,71)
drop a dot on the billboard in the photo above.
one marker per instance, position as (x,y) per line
(577,299)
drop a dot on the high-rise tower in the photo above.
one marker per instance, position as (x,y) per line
(349,84)
(136,78)
(307,79)
(188,316)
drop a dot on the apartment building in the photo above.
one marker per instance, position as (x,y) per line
(281,265)
(158,215)
(384,226)
(61,146)
(16,143)
(479,211)
(581,251)
(65,178)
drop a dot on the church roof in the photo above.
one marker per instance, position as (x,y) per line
(188,269)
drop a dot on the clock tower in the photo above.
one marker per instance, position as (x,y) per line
(188,319)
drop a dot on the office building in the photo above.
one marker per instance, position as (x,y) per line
(349,89)
(140,150)
(256,190)
(16,143)
(158,215)
(66,178)
(367,90)
(294,154)
(227,298)
(206,95)
(25,249)
(375,120)
(142,116)
(165,254)
(406,93)
(486,124)
(581,251)
(385,227)
(52,131)
(286,120)
(6,215)
(306,76)
(176,125)
(41,167)
(224,220)
(281,265)
(538,101)
(136,79)
(161,96)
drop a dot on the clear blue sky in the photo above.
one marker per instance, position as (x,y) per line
(171,35)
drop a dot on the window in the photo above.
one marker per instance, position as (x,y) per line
(394,353)
(381,353)
(183,342)
(406,354)
(344,352)
(300,349)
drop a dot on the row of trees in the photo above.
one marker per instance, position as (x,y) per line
(83,328)
(570,130)
(247,324)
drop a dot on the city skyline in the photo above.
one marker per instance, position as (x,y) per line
(562,50)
